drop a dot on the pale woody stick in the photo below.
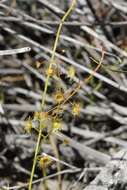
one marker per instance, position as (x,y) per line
(15,51)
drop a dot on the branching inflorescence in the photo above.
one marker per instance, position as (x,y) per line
(49,121)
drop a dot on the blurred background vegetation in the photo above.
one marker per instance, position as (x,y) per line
(101,124)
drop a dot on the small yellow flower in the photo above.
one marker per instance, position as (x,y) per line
(37,115)
(28,126)
(56,125)
(59,96)
(45,161)
(76,109)
(50,71)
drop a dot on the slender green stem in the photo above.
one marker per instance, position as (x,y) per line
(35,159)
(45,182)
(46,87)
(52,60)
